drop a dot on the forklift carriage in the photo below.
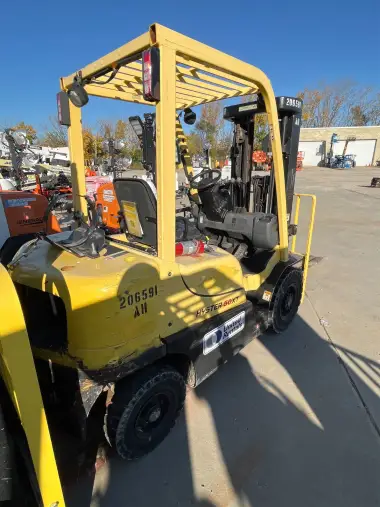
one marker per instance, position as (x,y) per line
(131,314)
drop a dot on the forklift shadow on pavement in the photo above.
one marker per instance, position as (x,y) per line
(278,425)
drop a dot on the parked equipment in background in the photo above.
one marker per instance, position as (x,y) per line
(300,159)
(113,147)
(342,161)
(260,160)
(334,139)
(17,144)
(23,214)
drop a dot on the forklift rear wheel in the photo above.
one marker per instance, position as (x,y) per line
(287,300)
(143,411)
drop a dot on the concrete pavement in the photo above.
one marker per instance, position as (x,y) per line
(291,421)
(345,287)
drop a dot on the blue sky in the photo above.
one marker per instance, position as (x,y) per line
(297,43)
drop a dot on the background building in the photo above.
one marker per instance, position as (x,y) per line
(363,142)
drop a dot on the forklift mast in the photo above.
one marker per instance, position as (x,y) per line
(243,116)
(149,149)
(145,131)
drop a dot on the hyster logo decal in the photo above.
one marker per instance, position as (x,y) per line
(212,308)
(213,339)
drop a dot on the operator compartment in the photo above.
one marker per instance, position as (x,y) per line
(240,214)
(138,208)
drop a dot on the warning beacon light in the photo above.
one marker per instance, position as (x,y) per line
(151,74)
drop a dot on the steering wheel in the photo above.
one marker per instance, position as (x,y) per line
(206,179)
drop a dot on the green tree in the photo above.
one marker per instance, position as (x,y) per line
(358,116)
(122,131)
(92,145)
(194,144)
(373,114)
(365,110)
(210,124)
(211,129)
(261,131)
(339,104)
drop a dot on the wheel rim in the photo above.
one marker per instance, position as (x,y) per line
(153,414)
(287,303)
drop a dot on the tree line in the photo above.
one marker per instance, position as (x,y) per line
(328,105)
(337,105)
(340,105)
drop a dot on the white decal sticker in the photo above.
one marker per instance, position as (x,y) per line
(213,339)
(267,296)
(108,195)
(293,102)
(248,108)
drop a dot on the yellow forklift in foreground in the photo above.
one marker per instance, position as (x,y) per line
(126,321)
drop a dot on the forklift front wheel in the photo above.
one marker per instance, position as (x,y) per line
(143,411)
(287,300)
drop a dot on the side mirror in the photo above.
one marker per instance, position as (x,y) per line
(78,95)
(189,116)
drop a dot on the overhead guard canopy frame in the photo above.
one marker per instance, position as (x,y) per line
(191,74)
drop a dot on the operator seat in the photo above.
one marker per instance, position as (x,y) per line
(136,194)
(136,198)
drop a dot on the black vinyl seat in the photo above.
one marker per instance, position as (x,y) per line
(138,192)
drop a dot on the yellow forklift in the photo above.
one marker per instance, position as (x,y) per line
(126,321)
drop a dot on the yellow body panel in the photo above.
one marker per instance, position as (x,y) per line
(254,281)
(120,306)
(19,374)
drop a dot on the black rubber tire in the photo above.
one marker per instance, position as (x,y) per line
(130,398)
(18,482)
(285,309)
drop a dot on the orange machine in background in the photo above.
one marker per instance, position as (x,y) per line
(22,213)
(108,207)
